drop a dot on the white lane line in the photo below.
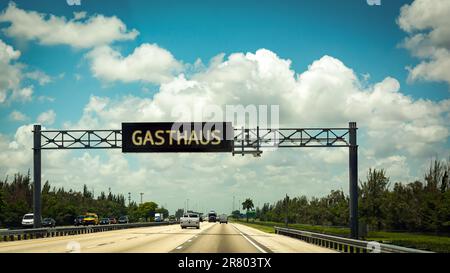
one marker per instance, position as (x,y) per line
(250,241)
(195,236)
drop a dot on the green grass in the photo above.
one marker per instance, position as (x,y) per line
(258,225)
(8,239)
(413,240)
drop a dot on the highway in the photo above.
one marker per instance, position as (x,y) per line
(210,238)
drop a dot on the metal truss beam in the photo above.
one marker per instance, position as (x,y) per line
(246,141)
(81,139)
(253,141)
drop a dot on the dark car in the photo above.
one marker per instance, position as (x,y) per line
(123,220)
(78,220)
(212,216)
(104,221)
(112,220)
(48,222)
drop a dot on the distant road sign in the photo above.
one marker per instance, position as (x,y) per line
(188,137)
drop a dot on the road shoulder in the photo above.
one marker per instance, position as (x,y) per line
(279,243)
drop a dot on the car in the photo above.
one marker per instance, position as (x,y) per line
(78,220)
(190,220)
(28,220)
(90,219)
(48,222)
(123,220)
(112,220)
(223,218)
(104,221)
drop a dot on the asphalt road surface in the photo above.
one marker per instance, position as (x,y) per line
(210,238)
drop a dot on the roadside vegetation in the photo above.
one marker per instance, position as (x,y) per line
(419,206)
(414,214)
(16,199)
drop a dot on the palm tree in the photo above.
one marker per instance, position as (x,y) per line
(247,205)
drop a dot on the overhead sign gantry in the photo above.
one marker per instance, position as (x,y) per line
(198,137)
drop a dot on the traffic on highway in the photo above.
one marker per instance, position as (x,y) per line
(196,237)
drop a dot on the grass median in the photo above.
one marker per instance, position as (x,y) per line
(429,242)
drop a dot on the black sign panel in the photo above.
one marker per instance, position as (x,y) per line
(187,137)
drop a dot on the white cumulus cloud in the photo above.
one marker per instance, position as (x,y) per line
(428,24)
(47,118)
(79,32)
(17,116)
(147,63)
(10,75)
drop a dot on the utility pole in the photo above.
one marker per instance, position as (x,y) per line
(287,210)
(187,204)
(141,196)
(233,204)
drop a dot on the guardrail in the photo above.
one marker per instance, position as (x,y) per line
(26,234)
(343,244)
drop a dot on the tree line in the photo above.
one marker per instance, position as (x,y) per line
(16,199)
(418,206)
(422,206)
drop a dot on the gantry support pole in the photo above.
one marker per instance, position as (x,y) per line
(353,177)
(37,175)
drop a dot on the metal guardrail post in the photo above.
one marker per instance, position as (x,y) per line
(25,234)
(342,244)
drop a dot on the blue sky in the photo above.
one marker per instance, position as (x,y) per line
(367,39)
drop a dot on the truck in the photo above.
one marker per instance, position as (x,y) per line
(190,220)
(159,217)
(212,216)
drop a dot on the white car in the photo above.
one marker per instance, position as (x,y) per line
(190,220)
(223,219)
(28,220)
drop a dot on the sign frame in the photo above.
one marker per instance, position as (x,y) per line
(177,137)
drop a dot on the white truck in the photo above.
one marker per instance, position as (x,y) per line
(158,217)
(223,218)
(190,220)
